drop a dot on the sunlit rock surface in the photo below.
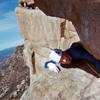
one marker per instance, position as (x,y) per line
(43,33)
(47,27)
(72,84)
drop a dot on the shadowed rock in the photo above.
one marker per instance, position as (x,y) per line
(84,15)
(47,27)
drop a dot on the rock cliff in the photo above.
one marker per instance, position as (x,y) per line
(84,15)
(46,27)
(43,33)
(14,76)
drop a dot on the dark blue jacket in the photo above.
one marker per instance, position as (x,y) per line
(77,52)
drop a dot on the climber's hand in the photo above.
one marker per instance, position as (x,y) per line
(53,67)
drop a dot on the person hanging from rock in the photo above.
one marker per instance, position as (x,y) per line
(74,53)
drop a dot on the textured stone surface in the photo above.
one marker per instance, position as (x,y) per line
(73,84)
(46,27)
(41,33)
(44,30)
(85,16)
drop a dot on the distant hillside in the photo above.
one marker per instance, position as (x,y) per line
(5,54)
(14,76)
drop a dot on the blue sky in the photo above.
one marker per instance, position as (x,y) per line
(9,31)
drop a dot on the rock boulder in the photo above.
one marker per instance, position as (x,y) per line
(72,84)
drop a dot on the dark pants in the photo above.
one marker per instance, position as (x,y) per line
(77,52)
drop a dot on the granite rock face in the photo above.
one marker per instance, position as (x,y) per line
(72,84)
(47,27)
(84,15)
(41,34)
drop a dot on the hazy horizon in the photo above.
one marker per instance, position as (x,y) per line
(9,31)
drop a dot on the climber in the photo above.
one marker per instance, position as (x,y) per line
(74,53)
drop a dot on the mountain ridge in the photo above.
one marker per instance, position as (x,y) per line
(14,76)
(5,54)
